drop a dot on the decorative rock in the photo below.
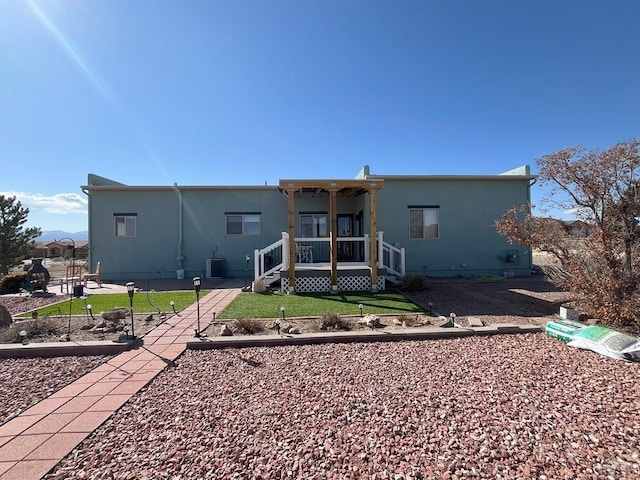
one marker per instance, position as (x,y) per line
(398,322)
(568,313)
(294,331)
(5,317)
(149,318)
(115,315)
(370,320)
(97,329)
(475,322)
(445,322)
(259,286)
(225,331)
(64,337)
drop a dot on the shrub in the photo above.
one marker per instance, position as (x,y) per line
(415,283)
(12,283)
(249,325)
(333,321)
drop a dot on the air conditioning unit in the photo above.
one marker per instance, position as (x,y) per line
(512,256)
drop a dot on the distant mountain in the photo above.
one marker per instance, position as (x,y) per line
(51,235)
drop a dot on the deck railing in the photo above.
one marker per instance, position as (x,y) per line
(275,257)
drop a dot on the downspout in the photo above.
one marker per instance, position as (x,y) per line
(89,244)
(180,257)
(529,203)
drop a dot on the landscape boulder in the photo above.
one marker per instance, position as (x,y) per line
(115,315)
(225,331)
(370,321)
(5,317)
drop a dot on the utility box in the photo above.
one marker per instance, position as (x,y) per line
(215,267)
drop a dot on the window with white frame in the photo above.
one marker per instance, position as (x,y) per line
(243,223)
(314,224)
(125,224)
(424,222)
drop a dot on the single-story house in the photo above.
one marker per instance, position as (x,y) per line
(312,235)
(577,228)
(60,248)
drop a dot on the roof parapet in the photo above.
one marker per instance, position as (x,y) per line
(522,170)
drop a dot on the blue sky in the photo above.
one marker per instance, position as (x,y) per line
(152,92)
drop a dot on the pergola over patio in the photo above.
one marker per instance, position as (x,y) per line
(349,188)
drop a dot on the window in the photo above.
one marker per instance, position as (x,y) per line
(313,225)
(125,224)
(424,222)
(243,224)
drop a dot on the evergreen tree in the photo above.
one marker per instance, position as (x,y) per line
(15,241)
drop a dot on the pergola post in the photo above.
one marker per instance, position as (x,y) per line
(374,241)
(292,240)
(333,214)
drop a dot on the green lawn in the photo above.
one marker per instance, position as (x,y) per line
(143,302)
(258,305)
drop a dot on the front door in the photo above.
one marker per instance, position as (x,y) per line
(346,250)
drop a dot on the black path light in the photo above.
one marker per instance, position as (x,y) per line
(196,287)
(282,309)
(246,275)
(360,306)
(131,287)
(173,306)
(69,318)
(86,307)
(430,309)
(75,294)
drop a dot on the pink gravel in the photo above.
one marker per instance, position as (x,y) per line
(509,406)
(27,381)
(24,303)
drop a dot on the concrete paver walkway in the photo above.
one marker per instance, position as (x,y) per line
(32,443)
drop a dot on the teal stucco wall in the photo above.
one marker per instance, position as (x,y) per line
(468,243)
(158,242)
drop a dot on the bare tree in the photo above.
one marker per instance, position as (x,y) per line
(601,188)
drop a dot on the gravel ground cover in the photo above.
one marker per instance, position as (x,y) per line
(531,300)
(24,303)
(26,381)
(508,406)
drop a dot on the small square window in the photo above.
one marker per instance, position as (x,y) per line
(424,223)
(243,224)
(125,225)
